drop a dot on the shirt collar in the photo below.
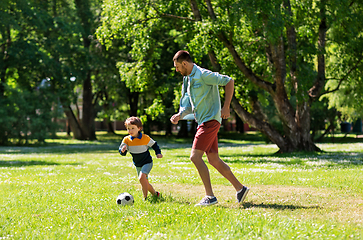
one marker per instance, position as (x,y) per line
(193,70)
(139,137)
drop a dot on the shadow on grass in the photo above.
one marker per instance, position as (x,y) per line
(61,149)
(333,159)
(277,206)
(307,160)
(31,163)
(167,198)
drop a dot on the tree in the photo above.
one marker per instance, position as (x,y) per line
(25,97)
(144,64)
(277,50)
(52,40)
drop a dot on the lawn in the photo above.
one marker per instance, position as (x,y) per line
(66,189)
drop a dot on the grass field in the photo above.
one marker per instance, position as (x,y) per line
(66,189)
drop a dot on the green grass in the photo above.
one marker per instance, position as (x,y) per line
(66,189)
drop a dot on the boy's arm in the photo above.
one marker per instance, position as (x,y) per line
(154,145)
(122,149)
(156,148)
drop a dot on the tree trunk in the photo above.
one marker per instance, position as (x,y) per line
(168,127)
(183,131)
(109,126)
(239,124)
(133,102)
(285,143)
(4,50)
(106,108)
(74,124)
(88,115)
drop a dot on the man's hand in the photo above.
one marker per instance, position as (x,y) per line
(225,112)
(159,155)
(175,118)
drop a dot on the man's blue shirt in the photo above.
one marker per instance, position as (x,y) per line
(200,95)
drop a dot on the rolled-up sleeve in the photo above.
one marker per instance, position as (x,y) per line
(214,78)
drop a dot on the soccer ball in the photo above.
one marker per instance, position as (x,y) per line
(125,199)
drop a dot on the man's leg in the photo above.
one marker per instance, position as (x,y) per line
(196,157)
(224,169)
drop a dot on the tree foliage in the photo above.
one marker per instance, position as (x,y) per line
(284,56)
(55,40)
(345,67)
(279,51)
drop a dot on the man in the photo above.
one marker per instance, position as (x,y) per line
(200,97)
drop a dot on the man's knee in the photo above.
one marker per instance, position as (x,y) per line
(194,158)
(196,155)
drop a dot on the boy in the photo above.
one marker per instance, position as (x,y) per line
(138,145)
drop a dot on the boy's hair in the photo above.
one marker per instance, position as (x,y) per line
(134,121)
(181,56)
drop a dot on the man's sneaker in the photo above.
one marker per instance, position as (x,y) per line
(157,195)
(206,201)
(241,195)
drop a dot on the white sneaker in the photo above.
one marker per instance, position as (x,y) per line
(206,201)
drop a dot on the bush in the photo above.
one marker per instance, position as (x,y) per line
(27,115)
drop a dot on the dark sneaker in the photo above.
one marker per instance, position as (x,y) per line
(241,195)
(154,198)
(206,201)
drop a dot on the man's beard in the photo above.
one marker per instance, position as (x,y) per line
(183,71)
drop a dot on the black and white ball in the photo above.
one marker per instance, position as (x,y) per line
(125,199)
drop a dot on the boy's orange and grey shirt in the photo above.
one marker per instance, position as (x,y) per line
(139,148)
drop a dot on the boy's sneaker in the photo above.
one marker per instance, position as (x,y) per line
(206,201)
(241,194)
(157,195)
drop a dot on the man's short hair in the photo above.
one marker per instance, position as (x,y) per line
(181,56)
(134,121)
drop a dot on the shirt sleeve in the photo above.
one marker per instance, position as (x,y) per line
(120,147)
(214,78)
(185,109)
(156,148)
(154,145)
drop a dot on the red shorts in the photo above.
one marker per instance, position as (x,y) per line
(206,137)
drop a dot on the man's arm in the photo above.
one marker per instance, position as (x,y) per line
(228,94)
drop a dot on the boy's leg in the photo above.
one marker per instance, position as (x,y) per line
(150,188)
(144,184)
(143,178)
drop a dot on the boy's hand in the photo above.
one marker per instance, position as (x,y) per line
(159,155)
(123,149)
